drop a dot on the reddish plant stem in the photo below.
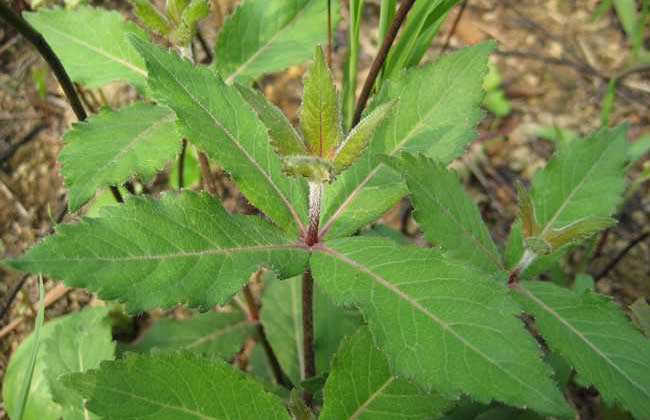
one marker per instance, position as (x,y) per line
(378,63)
(254,317)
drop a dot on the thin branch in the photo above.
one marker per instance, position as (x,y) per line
(208,181)
(378,63)
(204,46)
(181,165)
(12,296)
(254,317)
(454,26)
(33,133)
(37,40)
(609,267)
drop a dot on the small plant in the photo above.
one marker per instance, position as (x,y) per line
(364,326)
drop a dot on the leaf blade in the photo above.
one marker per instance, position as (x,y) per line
(101,35)
(361,386)
(141,254)
(440,346)
(140,385)
(262,37)
(111,147)
(588,330)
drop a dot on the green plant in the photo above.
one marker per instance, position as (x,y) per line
(375,329)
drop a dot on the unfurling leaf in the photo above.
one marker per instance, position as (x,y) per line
(313,168)
(151,17)
(152,253)
(192,14)
(320,115)
(577,232)
(285,138)
(593,334)
(357,140)
(174,386)
(361,386)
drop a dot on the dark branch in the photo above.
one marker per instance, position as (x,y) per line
(609,267)
(454,26)
(378,63)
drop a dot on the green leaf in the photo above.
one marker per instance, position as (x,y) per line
(184,248)
(192,14)
(110,147)
(320,116)
(282,320)
(172,386)
(151,17)
(91,43)
(351,66)
(439,322)
(40,405)
(581,187)
(298,408)
(585,178)
(432,117)
(357,141)
(265,37)
(361,386)
(77,347)
(592,333)
(211,334)
(448,217)
(218,121)
(23,395)
(284,137)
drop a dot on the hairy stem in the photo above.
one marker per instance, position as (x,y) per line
(526,260)
(254,317)
(378,63)
(315,199)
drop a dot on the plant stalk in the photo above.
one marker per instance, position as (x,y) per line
(309,370)
(378,63)
(254,317)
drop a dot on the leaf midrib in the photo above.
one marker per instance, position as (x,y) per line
(416,305)
(157,257)
(530,295)
(217,334)
(232,138)
(397,148)
(363,407)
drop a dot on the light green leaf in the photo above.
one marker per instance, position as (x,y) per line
(592,333)
(320,116)
(585,178)
(211,334)
(111,147)
(312,168)
(284,137)
(265,37)
(151,17)
(360,386)
(172,386)
(351,66)
(91,43)
(438,108)
(218,121)
(192,14)
(77,347)
(357,141)
(40,405)
(439,322)
(184,248)
(448,217)
(282,320)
